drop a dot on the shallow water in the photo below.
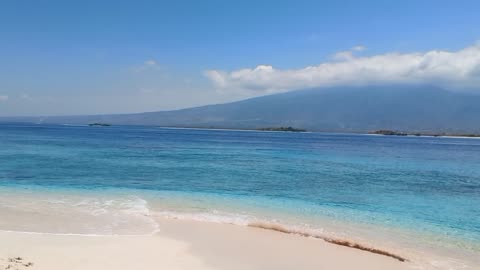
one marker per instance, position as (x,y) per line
(415,191)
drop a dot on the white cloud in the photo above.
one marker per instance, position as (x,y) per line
(150,62)
(343,56)
(147,65)
(348,55)
(450,69)
(3,98)
(359,48)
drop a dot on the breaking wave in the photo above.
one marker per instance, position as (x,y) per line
(79,215)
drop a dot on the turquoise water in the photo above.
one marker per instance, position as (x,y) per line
(424,185)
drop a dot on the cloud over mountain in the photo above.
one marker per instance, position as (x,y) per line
(450,69)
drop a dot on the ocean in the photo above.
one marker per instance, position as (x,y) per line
(410,194)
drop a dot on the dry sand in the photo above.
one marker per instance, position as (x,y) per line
(185,245)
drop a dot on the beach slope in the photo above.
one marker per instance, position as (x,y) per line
(185,245)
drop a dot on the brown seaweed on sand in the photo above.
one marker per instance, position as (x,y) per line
(279,228)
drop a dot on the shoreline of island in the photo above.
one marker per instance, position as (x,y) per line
(388,132)
(280,129)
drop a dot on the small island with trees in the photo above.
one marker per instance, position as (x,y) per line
(388,132)
(287,129)
(99,125)
(398,133)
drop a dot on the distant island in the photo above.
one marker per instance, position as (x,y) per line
(388,132)
(99,125)
(289,129)
(398,133)
(431,110)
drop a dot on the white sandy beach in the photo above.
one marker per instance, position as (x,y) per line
(185,245)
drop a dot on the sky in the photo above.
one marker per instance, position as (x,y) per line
(98,57)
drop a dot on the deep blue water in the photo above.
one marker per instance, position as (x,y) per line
(419,183)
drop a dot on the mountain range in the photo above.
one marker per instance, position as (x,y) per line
(335,109)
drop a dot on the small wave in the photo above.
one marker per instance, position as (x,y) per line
(79,215)
(213,217)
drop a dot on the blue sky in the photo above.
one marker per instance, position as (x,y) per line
(84,57)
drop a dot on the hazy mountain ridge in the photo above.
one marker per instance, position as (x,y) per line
(342,109)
